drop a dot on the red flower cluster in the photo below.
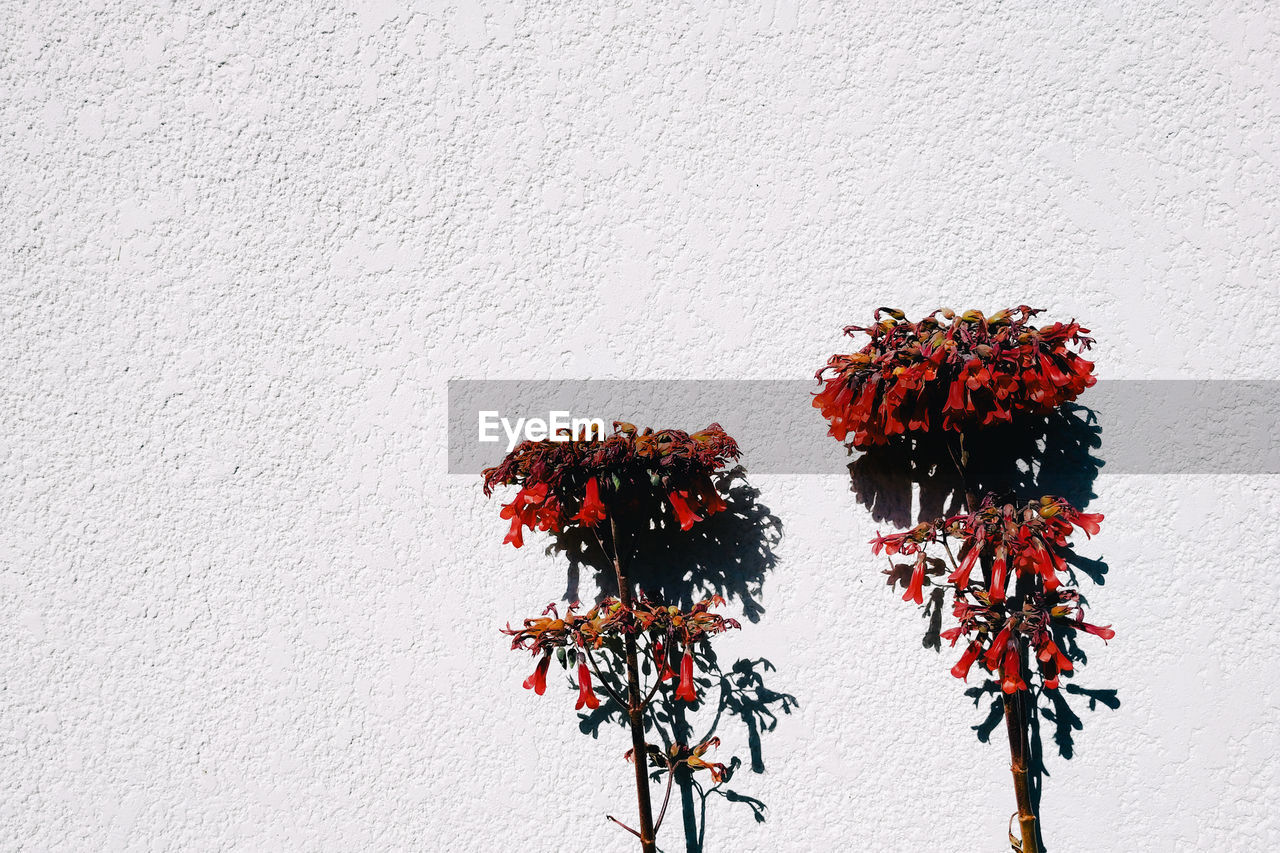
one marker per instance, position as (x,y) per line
(1001,541)
(949,373)
(666,631)
(572,480)
(994,630)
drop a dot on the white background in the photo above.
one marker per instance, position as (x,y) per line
(242,605)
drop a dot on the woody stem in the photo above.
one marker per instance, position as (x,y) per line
(635,704)
(1016,725)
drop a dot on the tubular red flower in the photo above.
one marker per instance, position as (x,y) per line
(1088,522)
(538,681)
(1011,669)
(562,480)
(996,651)
(960,577)
(593,510)
(949,373)
(686,691)
(665,672)
(515,536)
(709,497)
(999,571)
(1103,631)
(1049,672)
(961,669)
(586,696)
(915,589)
(684,514)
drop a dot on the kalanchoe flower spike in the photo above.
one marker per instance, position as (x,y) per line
(597,486)
(941,377)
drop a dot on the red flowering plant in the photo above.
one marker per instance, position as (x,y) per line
(937,380)
(950,374)
(597,484)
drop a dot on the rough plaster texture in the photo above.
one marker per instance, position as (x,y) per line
(246,244)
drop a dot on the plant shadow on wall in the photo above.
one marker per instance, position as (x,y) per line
(726,555)
(1054,454)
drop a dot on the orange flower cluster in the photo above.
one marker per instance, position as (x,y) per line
(1002,540)
(667,630)
(947,372)
(575,480)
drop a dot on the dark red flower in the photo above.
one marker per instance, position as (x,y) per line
(960,577)
(1022,541)
(999,574)
(709,497)
(633,467)
(665,672)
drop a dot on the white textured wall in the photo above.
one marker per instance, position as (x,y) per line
(244,608)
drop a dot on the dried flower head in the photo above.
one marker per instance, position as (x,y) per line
(691,757)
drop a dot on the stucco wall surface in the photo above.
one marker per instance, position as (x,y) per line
(244,607)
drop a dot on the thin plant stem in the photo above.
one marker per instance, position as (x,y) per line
(605,684)
(666,798)
(635,703)
(621,824)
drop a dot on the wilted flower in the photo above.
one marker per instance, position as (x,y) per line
(681,755)
(695,761)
